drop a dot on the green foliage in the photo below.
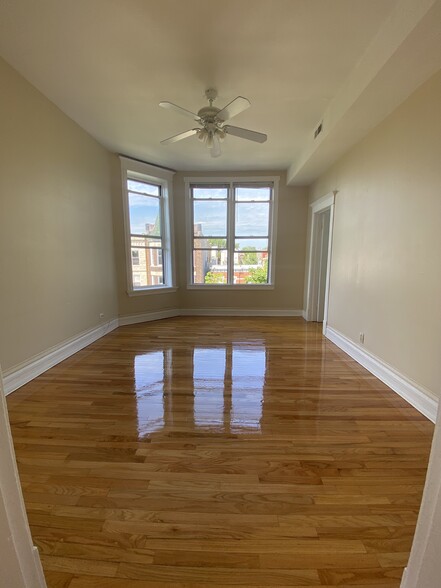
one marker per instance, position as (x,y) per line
(258,275)
(214,278)
(221,243)
(249,257)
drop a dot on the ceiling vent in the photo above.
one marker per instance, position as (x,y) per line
(318,130)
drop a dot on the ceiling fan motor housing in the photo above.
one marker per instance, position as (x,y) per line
(208,113)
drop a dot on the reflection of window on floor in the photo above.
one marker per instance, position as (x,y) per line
(221,372)
(151,371)
(208,382)
(248,379)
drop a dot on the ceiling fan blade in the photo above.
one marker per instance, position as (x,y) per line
(180,136)
(235,107)
(215,150)
(245,134)
(178,109)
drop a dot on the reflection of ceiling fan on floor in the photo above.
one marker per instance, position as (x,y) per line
(212,121)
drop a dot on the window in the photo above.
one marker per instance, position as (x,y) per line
(135,257)
(147,215)
(231,232)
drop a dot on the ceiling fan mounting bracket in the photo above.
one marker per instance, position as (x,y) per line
(211,95)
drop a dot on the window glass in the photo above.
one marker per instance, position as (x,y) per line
(145,215)
(253,193)
(210,218)
(252,219)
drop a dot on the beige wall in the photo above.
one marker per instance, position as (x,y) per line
(386,268)
(290,252)
(56,243)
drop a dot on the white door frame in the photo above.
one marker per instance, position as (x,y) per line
(424,566)
(22,566)
(317,208)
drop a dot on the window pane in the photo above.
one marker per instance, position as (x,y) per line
(251,245)
(212,243)
(210,218)
(253,193)
(251,267)
(252,219)
(145,217)
(147,267)
(210,192)
(210,267)
(145,242)
(143,187)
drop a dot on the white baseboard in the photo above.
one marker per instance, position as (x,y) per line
(305,315)
(418,396)
(145,317)
(27,371)
(237,312)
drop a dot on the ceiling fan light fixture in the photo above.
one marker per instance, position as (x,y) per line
(202,135)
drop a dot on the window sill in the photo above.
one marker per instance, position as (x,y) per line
(230,287)
(154,290)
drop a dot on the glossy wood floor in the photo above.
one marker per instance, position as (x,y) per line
(218,452)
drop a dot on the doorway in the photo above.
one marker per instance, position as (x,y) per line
(319,267)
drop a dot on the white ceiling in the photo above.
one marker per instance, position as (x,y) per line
(108,63)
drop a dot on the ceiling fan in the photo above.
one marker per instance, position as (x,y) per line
(212,122)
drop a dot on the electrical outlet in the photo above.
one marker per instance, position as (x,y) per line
(101,315)
(362,338)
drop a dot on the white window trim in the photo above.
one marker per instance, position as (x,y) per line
(164,178)
(272,236)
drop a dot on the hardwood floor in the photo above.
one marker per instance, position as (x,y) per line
(218,452)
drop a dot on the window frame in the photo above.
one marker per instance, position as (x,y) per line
(137,170)
(232,182)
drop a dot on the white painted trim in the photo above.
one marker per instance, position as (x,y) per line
(323,202)
(418,396)
(227,179)
(304,315)
(216,287)
(153,290)
(145,317)
(25,372)
(424,565)
(164,178)
(328,264)
(237,312)
(26,558)
(272,231)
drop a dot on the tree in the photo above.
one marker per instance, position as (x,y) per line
(249,256)
(258,275)
(214,278)
(220,244)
